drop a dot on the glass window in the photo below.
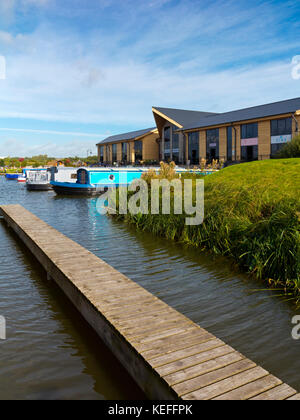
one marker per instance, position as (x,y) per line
(124,152)
(212,144)
(229,143)
(101,153)
(175,148)
(114,152)
(167,143)
(276,147)
(281,127)
(107,154)
(138,150)
(249,153)
(249,131)
(175,141)
(193,147)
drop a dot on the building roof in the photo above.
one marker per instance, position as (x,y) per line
(127,136)
(261,111)
(180,117)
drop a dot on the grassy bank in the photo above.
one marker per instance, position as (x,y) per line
(252,215)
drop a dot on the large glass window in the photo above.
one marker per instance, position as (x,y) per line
(124,152)
(229,144)
(249,142)
(193,147)
(114,152)
(101,153)
(249,131)
(281,133)
(212,144)
(281,127)
(167,143)
(175,148)
(138,150)
(249,153)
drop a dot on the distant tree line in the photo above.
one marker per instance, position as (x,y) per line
(45,160)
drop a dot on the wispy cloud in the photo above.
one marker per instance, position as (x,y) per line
(17,147)
(105,62)
(58,133)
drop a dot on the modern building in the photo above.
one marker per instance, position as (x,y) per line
(128,148)
(187,137)
(170,123)
(248,134)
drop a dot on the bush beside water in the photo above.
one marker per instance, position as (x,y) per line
(252,215)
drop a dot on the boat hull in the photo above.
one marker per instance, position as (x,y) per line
(83,191)
(11,177)
(38,187)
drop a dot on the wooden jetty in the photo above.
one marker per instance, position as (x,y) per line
(167,354)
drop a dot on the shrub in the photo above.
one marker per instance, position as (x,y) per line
(291,149)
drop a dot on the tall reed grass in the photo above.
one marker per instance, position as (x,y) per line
(252,215)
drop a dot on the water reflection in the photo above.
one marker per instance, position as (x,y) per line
(206,289)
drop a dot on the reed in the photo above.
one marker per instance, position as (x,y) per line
(252,215)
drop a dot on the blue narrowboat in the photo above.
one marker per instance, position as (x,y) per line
(12,176)
(95,181)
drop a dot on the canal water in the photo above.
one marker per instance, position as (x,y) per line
(51,353)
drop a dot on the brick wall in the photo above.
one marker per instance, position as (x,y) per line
(264,139)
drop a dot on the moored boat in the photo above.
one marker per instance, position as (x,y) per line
(95,181)
(21,178)
(38,180)
(12,176)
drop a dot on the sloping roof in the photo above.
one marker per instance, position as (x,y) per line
(261,111)
(181,116)
(127,136)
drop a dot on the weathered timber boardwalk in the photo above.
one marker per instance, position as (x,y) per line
(167,354)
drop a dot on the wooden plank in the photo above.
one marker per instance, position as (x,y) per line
(226,385)
(281,392)
(157,335)
(294,398)
(186,352)
(168,322)
(194,360)
(198,382)
(202,368)
(168,355)
(173,345)
(179,337)
(254,388)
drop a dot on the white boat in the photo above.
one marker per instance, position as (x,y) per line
(22,178)
(38,180)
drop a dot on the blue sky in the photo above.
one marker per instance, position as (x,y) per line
(80,70)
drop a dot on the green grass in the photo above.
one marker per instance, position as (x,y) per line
(252,215)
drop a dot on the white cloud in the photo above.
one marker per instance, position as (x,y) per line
(190,56)
(16,147)
(58,133)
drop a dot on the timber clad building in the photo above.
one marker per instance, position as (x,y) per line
(186,137)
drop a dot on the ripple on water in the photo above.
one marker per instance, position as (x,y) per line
(68,361)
